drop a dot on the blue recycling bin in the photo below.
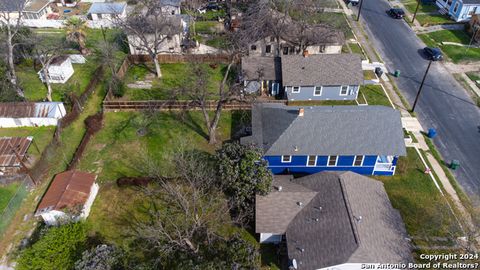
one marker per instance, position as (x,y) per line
(431,133)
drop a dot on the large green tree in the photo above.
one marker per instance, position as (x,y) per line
(243,173)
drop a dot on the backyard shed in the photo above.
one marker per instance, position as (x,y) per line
(59,70)
(30,114)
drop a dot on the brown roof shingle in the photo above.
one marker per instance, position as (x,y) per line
(68,189)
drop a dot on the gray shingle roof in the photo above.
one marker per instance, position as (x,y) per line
(356,224)
(327,130)
(328,230)
(174,3)
(322,69)
(107,8)
(258,67)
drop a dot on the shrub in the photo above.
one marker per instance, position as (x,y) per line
(59,248)
(117,86)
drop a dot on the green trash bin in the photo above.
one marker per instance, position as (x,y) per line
(454,164)
(396,73)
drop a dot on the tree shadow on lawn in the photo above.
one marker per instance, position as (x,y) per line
(186,118)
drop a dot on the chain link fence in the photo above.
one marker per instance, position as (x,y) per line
(10,209)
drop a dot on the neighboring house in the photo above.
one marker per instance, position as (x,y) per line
(13,152)
(333,220)
(305,140)
(473,27)
(69,197)
(173,35)
(322,76)
(262,75)
(33,10)
(99,11)
(30,114)
(171,7)
(60,70)
(459,10)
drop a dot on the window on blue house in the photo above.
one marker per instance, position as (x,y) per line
(358,161)
(286,159)
(332,160)
(296,89)
(456,7)
(312,160)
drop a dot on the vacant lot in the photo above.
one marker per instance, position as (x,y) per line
(174,77)
(424,210)
(455,53)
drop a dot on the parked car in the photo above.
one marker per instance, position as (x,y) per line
(434,54)
(354,2)
(396,13)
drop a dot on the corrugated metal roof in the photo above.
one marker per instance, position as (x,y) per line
(29,109)
(10,145)
(68,189)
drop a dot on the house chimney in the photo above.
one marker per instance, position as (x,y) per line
(301,112)
(305,53)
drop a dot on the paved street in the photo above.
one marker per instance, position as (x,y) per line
(444,104)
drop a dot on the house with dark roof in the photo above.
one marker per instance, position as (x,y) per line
(99,11)
(261,74)
(322,76)
(69,197)
(332,219)
(304,140)
(459,10)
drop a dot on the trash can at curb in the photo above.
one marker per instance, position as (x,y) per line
(454,164)
(431,133)
(396,73)
(378,71)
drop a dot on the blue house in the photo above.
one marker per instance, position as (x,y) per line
(322,76)
(305,140)
(459,10)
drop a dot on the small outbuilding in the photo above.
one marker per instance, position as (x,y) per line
(69,197)
(60,70)
(99,11)
(30,114)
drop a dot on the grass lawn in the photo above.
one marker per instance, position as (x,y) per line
(336,20)
(42,136)
(423,209)
(369,75)
(355,47)
(432,19)
(11,195)
(173,77)
(210,15)
(6,193)
(423,8)
(374,95)
(208,27)
(456,53)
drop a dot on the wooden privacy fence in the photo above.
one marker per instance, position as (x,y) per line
(172,105)
(182,58)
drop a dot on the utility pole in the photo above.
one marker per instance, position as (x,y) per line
(416,10)
(359,10)
(474,35)
(421,86)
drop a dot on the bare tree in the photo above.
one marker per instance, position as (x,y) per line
(151,31)
(183,210)
(47,51)
(10,21)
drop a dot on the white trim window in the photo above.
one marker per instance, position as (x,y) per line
(311,161)
(358,161)
(317,91)
(344,90)
(295,89)
(286,159)
(332,160)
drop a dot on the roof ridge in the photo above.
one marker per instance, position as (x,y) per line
(349,211)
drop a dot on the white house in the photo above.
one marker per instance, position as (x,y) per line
(69,197)
(30,114)
(171,7)
(169,41)
(99,11)
(33,9)
(59,70)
